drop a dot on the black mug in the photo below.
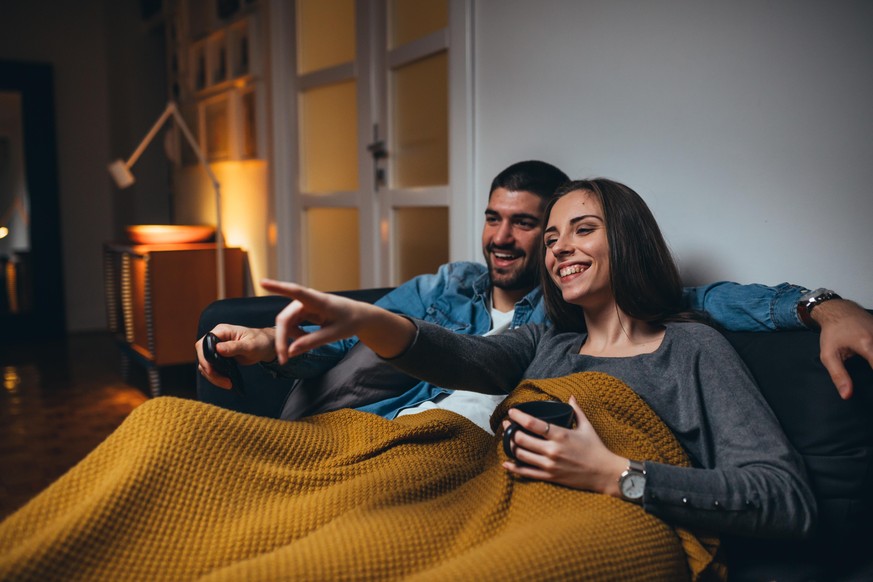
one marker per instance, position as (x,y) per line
(557,413)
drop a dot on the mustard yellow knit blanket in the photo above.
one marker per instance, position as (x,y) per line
(184,490)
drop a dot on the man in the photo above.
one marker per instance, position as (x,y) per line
(503,294)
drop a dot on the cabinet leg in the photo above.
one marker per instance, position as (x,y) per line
(125,369)
(154,381)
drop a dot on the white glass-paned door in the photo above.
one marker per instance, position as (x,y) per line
(372,89)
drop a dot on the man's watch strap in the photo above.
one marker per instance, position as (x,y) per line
(811,300)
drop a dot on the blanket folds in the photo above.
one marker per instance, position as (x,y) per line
(184,490)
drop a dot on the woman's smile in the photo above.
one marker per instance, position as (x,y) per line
(567,272)
(577,255)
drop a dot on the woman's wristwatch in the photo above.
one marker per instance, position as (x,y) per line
(632,482)
(811,300)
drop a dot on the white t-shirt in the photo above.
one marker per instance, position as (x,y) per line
(474,406)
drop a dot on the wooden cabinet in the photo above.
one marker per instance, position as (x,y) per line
(154,296)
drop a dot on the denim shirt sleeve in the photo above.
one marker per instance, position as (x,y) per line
(752,307)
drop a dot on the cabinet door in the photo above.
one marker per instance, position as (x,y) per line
(167,292)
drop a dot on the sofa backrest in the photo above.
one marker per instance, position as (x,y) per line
(835,438)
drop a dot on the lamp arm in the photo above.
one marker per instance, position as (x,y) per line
(174,110)
(126,180)
(150,135)
(219,237)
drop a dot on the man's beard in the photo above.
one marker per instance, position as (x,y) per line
(523,276)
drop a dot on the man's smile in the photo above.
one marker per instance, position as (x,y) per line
(504,257)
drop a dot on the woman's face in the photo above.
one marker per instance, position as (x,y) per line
(577,252)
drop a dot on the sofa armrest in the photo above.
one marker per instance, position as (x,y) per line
(265,394)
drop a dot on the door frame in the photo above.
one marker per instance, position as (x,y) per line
(47,317)
(284,154)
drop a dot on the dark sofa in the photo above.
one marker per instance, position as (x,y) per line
(834,436)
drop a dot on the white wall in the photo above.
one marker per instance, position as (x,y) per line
(70,36)
(745,125)
(108,90)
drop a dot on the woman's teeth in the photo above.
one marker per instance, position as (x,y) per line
(570,270)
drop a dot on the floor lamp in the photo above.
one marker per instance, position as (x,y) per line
(121,174)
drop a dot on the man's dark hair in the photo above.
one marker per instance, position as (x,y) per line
(643,276)
(531,176)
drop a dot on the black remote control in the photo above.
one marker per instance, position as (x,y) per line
(224,366)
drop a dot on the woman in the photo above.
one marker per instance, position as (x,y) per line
(613,293)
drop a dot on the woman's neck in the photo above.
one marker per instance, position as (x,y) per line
(612,333)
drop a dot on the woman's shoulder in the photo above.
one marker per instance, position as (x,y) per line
(699,342)
(697,332)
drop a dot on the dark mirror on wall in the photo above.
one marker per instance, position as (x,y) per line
(31,276)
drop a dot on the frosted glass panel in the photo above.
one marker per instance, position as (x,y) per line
(217,136)
(250,140)
(328,138)
(413,19)
(325,34)
(332,249)
(421,243)
(421,122)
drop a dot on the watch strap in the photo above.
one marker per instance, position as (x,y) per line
(811,300)
(634,468)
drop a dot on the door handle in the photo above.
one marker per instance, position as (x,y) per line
(377,150)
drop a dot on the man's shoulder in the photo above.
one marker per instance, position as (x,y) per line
(462,274)
(458,279)
(465,268)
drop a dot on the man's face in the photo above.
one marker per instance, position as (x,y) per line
(511,236)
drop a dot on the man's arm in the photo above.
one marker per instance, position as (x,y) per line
(846,328)
(748,307)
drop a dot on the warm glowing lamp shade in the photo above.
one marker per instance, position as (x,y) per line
(123,177)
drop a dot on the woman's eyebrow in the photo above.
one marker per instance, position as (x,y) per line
(583,217)
(574,221)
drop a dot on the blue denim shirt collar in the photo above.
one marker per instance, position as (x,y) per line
(529,309)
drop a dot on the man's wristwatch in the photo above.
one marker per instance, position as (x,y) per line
(632,482)
(811,300)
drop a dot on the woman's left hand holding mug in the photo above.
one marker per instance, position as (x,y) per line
(573,457)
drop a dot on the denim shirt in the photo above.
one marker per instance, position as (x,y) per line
(457,298)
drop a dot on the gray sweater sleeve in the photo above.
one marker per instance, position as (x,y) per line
(492,365)
(747,479)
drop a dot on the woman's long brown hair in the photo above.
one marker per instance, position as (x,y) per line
(643,275)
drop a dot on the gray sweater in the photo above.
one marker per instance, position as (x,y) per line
(746,477)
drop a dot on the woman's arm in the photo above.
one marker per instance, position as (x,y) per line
(492,365)
(748,480)
(385,333)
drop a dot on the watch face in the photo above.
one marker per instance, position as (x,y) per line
(633,485)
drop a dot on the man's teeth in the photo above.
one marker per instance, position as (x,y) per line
(504,256)
(570,270)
